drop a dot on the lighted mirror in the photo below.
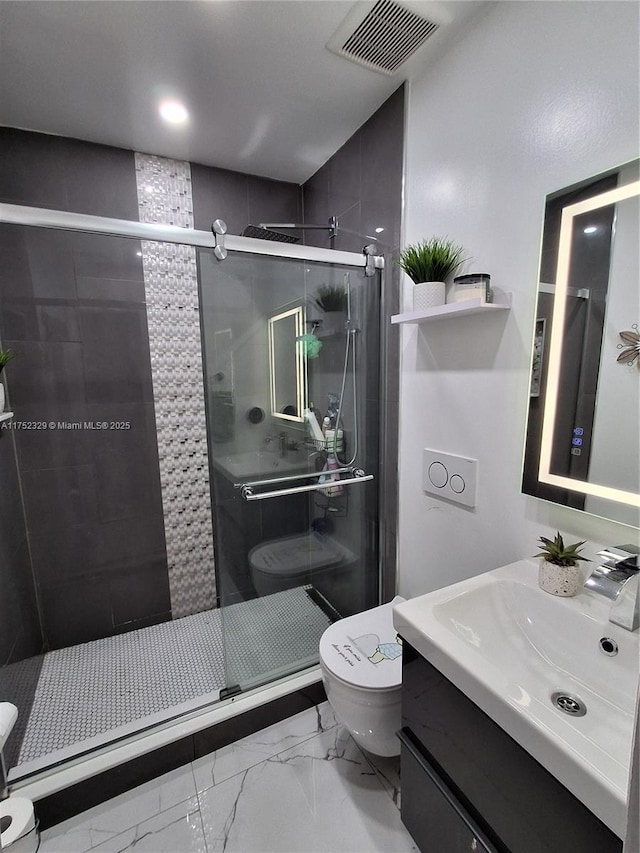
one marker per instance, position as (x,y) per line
(583,447)
(286,364)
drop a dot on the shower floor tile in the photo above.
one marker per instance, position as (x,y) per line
(90,694)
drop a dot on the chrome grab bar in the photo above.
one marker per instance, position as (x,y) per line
(359,476)
(290,477)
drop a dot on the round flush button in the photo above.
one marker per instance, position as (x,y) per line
(438,474)
(457,484)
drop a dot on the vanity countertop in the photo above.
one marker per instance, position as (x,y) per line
(509,646)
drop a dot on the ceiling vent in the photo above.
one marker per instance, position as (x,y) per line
(384,39)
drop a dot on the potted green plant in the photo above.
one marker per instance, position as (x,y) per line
(331,299)
(559,571)
(5,357)
(429,264)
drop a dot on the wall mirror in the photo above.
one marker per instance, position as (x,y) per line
(582,447)
(287,378)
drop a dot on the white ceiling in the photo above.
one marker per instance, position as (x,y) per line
(264,94)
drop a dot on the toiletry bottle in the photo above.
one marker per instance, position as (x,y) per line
(314,429)
(334,490)
(326,424)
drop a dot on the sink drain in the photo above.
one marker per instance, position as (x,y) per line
(608,646)
(569,704)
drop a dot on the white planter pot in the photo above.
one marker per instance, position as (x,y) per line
(560,580)
(428,294)
(333,323)
(1,396)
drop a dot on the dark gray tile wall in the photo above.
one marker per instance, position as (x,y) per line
(72,307)
(66,174)
(241,199)
(20,624)
(362,185)
(20,634)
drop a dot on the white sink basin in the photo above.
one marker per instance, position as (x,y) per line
(509,646)
(260,463)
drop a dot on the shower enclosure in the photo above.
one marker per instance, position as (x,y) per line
(242,452)
(289,344)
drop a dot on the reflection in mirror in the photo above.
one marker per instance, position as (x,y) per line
(582,447)
(286,364)
(221,387)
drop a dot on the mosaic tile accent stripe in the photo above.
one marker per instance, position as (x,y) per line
(171,287)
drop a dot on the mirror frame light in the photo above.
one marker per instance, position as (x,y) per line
(555,349)
(298,315)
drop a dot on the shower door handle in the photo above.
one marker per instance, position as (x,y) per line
(359,476)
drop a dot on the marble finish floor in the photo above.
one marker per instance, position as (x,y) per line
(300,786)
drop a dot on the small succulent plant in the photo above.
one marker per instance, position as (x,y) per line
(5,357)
(558,553)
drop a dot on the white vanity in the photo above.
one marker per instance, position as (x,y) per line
(517,720)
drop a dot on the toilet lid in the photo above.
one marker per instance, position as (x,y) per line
(364,649)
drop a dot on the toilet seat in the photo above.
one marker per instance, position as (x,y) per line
(294,555)
(363,650)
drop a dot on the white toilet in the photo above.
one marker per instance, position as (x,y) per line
(292,561)
(361,661)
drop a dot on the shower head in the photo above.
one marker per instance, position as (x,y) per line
(268,234)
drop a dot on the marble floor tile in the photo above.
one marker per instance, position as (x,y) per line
(176,830)
(388,772)
(226,762)
(321,795)
(109,819)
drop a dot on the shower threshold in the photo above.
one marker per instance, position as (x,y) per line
(106,691)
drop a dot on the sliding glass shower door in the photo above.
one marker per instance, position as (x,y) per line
(269,470)
(291,361)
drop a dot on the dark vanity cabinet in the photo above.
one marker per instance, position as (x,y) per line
(468,787)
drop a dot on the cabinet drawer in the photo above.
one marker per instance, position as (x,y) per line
(431,811)
(526,807)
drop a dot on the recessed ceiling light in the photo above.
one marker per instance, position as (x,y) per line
(379,230)
(591,229)
(173,112)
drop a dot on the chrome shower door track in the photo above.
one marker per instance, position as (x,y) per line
(38,217)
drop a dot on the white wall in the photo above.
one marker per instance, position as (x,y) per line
(533,97)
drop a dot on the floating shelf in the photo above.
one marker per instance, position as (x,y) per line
(455,309)
(5,416)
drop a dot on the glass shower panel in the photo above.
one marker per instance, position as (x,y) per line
(107,613)
(289,345)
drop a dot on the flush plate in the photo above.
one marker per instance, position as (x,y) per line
(454,478)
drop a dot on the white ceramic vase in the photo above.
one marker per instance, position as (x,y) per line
(559,580)
(428,294)
(333,323)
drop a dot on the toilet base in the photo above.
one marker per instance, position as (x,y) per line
(372,718)
(382,747)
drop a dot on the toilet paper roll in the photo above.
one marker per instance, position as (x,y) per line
(8,717)
(21,835)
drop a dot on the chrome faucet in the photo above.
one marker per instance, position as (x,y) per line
(281,439)
(285,443)
(618,579)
